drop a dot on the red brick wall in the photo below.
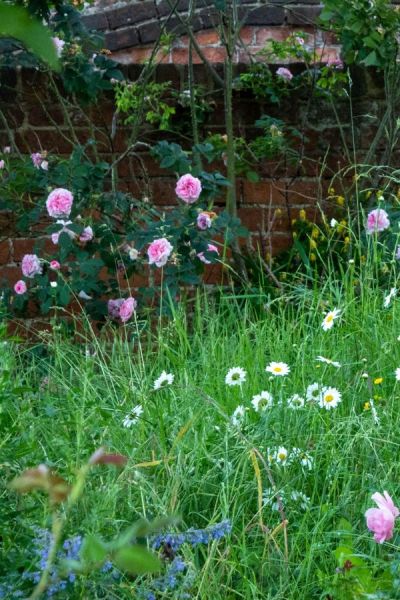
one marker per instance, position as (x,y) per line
(267,207)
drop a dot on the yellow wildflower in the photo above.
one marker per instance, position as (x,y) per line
(302,215)
(313,257)
(367,405)
(378,380)
(340,200)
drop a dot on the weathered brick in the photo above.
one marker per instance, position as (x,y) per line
(134,12)
(124,38)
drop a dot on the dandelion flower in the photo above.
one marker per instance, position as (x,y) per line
(329,319)
(296,402)
(262,401)
(389,297)
(313,393)
(378,380)
(164,380)
(281,455)
(279,369)
(238,415)
(397,373)
(133,417)
(235,376)
(328,361)
(330,398)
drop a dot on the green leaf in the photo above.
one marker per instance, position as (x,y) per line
(17,23)
(93,550)
(137,560)
(371,60)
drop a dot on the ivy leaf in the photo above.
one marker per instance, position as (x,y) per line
(16,22)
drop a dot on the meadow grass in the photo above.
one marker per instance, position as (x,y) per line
(62,400)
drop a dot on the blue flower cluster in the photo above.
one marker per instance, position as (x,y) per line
(178,576)
(70,551)
(193,537)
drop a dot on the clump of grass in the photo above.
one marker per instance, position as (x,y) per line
(62,400)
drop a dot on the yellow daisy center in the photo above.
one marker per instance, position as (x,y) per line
(329,398)
(278,369)
(329,318)
(281,456)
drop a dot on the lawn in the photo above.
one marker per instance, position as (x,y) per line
(278,485)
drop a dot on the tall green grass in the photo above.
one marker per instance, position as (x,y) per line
(185,456)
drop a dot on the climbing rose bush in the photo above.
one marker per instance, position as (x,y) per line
(102,241)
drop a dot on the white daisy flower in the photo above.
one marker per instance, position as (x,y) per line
(235,376)
(330,398)
(270,499)
(262,401)
(238,415)
(328,361)
(296,402)
(304,458)
(329,318)
(164,380)
(374,413)
(333,223)
(278,368)
(300,499)
(281,455)
(388,299)
(364,375)
(397,374)
(133,417)
(313,393)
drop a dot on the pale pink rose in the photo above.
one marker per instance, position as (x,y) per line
(20,287)
(284,73)
(59,44)
(59,203)
(55,236)
(37,159)
(300,40)
(188,188)
(127,309)
(204,221)
(210,248)
(377,220)
(159,252)
(31,265)
(381,522)
(7,149)
(87,234)
(385,501)
(55,265)
(113,307)
(2,164)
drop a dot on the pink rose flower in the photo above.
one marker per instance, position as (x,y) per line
(381,522)
(127,309)
(55,265)
(64,229)
(188,188)
(87,234)
(210,248)
(59,44)
(59,203)
(159,252)
(377,220)
(37,159)
(204,221)
(284,73)
(20,287)
(385,501)
(113,307)
(31,266)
